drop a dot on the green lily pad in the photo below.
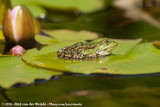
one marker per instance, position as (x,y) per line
(144,58)
(48,53)
(85,6)
(14,70)
(45,40)
(47,58)
(65,35)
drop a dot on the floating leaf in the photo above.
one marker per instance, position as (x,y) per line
(14,70)
(125,46)
(47,58)
(65,35)
(85,6)
(45,40)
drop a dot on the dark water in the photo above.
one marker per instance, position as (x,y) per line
(110,23)
(93,90)
(90,92)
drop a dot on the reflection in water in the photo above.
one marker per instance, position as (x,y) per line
(3,97)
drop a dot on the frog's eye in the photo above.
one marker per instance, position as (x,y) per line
(106,41)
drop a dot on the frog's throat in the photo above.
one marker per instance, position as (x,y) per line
(103,53)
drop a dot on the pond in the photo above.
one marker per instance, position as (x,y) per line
(129,77)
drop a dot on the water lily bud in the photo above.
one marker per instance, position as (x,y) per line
(37,26)
(17,51)
(18,25)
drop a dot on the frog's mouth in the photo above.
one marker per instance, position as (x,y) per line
(112,46)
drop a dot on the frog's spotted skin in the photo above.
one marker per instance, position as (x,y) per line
(87,50)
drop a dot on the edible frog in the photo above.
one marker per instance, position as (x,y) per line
(87,50)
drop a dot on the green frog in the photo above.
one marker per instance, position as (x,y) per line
(87,50)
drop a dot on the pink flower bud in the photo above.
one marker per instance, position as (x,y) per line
(17,51)
(18,25)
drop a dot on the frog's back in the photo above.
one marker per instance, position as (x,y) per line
(75,51)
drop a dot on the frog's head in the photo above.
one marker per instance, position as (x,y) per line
(106,46)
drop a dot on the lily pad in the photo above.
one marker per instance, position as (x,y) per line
(85,6)
(47,58)
(14,70)
(65,35)
(45,40)
(144,58)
